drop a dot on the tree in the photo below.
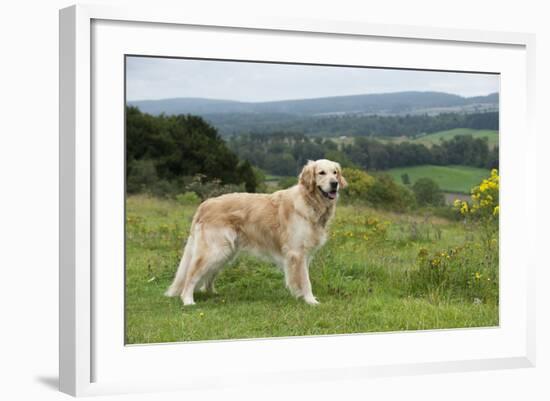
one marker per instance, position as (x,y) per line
(162,150)
(247,173)
(427,192)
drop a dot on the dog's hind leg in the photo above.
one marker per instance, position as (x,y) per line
(176,287)
(207,282)
(213,248)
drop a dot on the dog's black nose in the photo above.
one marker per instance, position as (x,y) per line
(334,184)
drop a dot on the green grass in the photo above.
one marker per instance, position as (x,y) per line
(459,179)
(437,137)
(368,278)
(434,138)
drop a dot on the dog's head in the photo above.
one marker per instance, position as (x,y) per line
(324,177)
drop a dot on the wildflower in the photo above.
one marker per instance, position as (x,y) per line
(478,275)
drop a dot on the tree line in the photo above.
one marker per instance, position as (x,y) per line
(460,150)
(284,154)
(350,124)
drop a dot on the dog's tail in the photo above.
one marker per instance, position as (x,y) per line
(176,287)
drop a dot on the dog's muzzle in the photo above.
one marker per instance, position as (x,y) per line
(332,193)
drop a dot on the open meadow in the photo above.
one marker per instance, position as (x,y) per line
(436,137)
(431,139)
(379,271)
(457,179)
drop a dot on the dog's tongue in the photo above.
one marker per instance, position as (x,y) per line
(332,194)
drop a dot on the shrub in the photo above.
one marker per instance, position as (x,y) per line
(248,175)
(188,198)
(385,193)
(427,192)
(484,205)
(359,183)
(484,208)
(209,189)
(142,174)
(260,180)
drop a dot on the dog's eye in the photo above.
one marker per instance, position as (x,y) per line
(334,172)
(322,173)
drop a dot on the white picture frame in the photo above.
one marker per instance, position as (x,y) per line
(93,357)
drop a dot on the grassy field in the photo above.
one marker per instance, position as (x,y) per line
(378,272)
(458,179)
(437,137)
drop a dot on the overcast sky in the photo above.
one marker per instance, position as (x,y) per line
(160,78)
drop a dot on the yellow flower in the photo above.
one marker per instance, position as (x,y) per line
(478,275)
(496,210)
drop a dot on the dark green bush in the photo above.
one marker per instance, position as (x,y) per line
(427,192)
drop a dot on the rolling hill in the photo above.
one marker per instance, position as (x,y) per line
(383,103)
(437,137)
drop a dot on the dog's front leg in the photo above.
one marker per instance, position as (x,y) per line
(297,277)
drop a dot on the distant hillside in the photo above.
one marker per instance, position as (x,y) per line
(436,137)
(384,103)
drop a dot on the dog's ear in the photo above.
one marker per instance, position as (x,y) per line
(307,176)
(341,180)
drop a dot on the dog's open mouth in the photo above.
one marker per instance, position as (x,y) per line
(330,195)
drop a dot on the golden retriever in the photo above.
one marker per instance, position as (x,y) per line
(287,225)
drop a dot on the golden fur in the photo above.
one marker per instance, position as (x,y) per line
(286,225)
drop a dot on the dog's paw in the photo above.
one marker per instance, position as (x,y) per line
(311,300)
(188,302)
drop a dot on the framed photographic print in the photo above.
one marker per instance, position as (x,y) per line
(270,200)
